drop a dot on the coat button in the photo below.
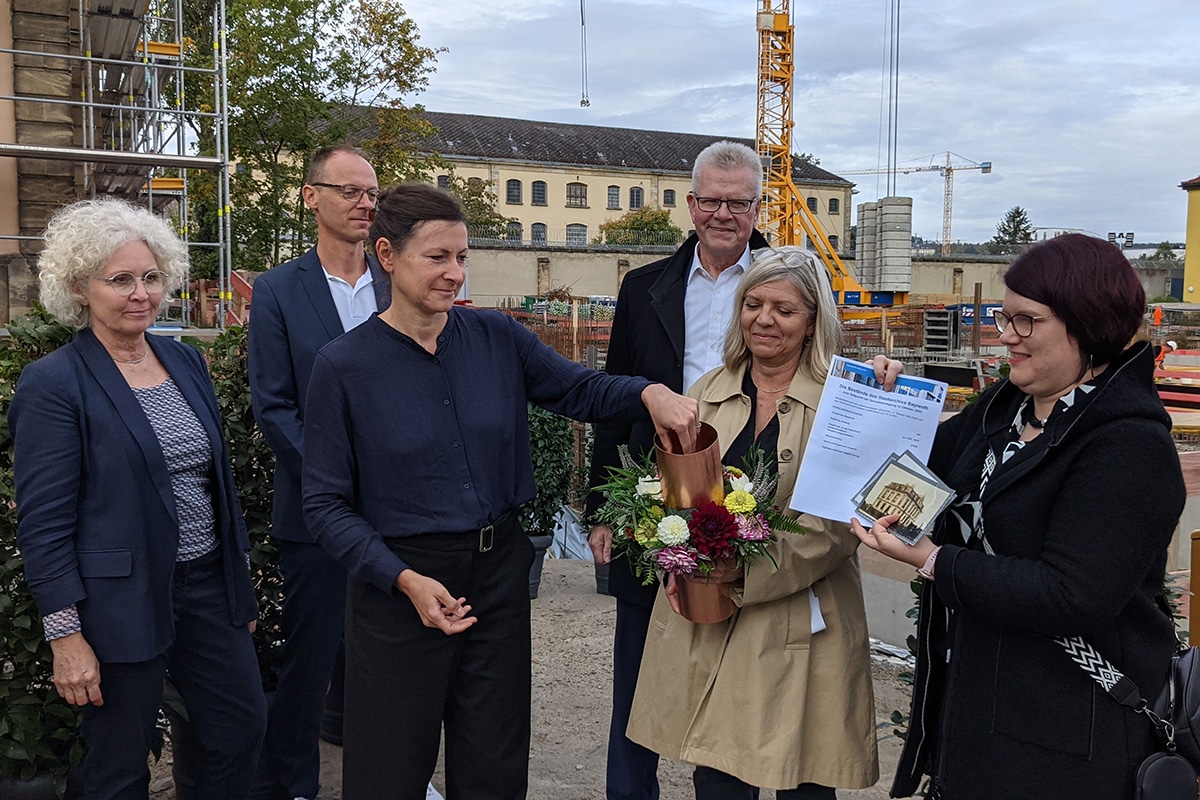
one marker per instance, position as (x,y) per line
(784,407)
(785,455)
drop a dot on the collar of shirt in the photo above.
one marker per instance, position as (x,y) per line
(707,311)
(355,303)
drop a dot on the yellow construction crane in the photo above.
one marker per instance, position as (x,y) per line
(947,171)
(785,217)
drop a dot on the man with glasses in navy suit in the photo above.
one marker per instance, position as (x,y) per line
(298,308)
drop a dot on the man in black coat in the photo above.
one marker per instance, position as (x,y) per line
(669,326)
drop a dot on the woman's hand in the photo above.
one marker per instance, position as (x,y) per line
(76,671)
(672,591)
(887,370)
(673,414)
(434,604)
(881,540)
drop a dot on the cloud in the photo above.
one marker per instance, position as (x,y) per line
(1089,109)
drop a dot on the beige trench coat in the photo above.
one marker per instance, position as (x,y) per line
(760,696)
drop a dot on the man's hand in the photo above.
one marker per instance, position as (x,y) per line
(887,370)
(676,418)
(600,542)
(76,671)
(434,604)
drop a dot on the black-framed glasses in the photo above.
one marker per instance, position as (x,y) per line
(711,204)
(1022,323)
(123,283)
(351,193)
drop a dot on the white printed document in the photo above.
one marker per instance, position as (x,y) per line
(858,425)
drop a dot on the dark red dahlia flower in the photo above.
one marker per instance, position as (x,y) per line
(713,530)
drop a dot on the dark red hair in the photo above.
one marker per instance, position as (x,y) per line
(1088,284)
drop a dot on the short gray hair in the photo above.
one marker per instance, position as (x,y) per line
(727,156)
(803,270)
(82,237)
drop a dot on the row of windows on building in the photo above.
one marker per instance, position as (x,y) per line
(577,235)
(577,194)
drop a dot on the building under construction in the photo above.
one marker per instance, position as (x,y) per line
(117,97)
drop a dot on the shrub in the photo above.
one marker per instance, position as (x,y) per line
(39,731)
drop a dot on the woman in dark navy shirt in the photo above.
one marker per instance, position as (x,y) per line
(417,458)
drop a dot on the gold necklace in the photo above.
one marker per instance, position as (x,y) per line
(138,360)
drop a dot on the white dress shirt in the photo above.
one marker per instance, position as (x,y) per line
(707,310)
(354,303)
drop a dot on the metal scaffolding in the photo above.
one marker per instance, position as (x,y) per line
(151,116)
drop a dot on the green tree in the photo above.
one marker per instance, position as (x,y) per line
(642,226)
(1012,233)
(1165,254)
(303,74)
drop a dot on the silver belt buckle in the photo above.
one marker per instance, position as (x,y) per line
(486,538)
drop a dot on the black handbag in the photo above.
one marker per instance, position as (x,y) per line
(1170,774)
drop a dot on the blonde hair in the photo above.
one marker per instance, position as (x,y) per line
(82,237)
(802,269)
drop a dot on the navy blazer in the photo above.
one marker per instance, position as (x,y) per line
(292,316)
(96,517)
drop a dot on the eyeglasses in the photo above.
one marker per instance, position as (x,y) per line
(1022,323)
(123,283)
(711,204)
(351,193)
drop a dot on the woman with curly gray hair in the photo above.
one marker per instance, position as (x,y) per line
(128,520)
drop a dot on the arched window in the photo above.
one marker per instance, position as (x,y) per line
(512,233)
(833,242)
(614,197)
(537,233)
(537,193)
(576,235)
(835,207)
(512,192)
(635,198)
(443,181)
(812,204)
(577,195)
(669,198)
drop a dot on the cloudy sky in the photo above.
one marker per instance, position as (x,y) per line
(1089,110)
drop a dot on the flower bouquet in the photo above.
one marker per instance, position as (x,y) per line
(734,528)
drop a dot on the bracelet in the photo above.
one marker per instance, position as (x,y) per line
(926,569)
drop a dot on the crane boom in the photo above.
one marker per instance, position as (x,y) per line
(785,217)
(947,171)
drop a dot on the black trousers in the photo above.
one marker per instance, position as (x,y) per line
(213,666)
(404,681)
(713,784)
(314,609)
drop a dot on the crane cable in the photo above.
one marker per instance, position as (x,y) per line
(583,100)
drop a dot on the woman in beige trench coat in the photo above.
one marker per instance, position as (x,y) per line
(760,700)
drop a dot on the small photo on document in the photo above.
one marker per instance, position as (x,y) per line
(914,493)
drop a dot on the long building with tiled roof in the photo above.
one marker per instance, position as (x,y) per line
(561,181)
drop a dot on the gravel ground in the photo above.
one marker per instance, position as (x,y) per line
(572,662)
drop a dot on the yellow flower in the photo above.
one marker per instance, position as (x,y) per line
(740,502)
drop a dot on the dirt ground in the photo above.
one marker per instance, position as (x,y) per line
(572,662)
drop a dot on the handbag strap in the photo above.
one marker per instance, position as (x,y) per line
(1117,685)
